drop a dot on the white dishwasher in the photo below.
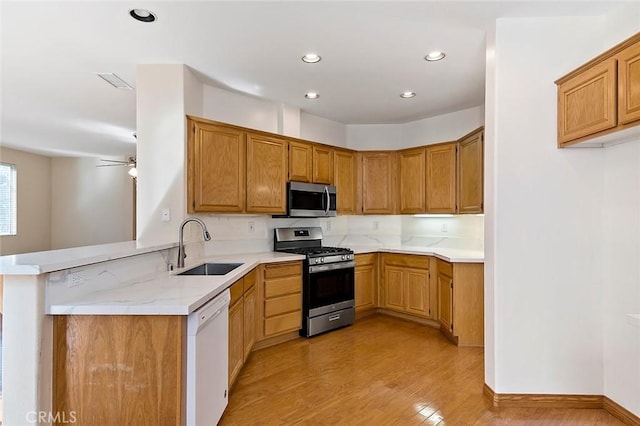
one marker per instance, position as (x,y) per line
(208,361)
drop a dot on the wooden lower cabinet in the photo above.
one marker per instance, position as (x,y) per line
(236,338)
(119,369)
(461,302)
(366,282)
(279,301)
(405,284)
(242,314)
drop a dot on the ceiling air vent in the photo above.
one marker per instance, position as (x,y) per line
(114,80)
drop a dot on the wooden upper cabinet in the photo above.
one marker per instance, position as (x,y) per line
(470,173)
(216,168)
(322,164)
(378,182)
(441,178)
(629,84)
(601,97)
(300,164)
(587,102)
(266,174)
(412,180)
(345,180)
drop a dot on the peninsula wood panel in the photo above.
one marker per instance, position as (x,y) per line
(378,182)
(216,168)
(266,174)
(587,102)
(97,358)
(441,178)
(468,302)
(322,164)
(345,179)
(629,84)
(300,164)
(412,181)
(471,173)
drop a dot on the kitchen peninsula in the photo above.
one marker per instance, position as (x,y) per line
(113,279)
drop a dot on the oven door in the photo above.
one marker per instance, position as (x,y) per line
(329,288)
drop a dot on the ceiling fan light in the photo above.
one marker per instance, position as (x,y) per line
(133,172)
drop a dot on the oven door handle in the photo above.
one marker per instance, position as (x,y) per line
(326,210)
(331,267)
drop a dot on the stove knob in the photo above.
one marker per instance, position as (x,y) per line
(342,257)
(322,260)
(317,260)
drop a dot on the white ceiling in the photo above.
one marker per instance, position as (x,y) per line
(53,102)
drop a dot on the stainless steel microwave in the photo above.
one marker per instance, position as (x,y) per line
(310,200)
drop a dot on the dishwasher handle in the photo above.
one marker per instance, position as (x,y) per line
(210,311)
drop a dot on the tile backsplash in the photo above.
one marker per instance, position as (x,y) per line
(232,234)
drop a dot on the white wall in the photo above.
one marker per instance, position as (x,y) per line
(165,94)
(241,110)
(318,129)
(34,203)
(545,238)
(621,248)
(443,128)
(90,205)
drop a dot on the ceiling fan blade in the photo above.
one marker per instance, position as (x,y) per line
(116,161)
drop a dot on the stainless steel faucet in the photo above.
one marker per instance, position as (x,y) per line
(205,235)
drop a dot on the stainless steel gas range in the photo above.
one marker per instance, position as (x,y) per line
(327,281)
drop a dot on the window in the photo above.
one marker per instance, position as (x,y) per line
(8,209)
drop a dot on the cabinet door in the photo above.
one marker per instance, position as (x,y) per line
(378,182)
(236,344)
(412,181)
(441,178)
(266,174)
(365,287)
(345,180)
(445,301)
(587,102)
(216,168)
(470,174)
(300,161)
(249,335)
(629,84)
(417,285)
(322,164)
(393,288)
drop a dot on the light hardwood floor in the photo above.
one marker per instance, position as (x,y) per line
(380,371)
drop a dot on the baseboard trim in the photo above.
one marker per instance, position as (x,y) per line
(619,412)
(512,400)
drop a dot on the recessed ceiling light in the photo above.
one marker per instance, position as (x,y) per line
(311,95)
(407,95)
(311,58)
(434,56)
(114,80)
(142,15)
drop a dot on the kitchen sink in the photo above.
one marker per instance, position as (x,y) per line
(211,269)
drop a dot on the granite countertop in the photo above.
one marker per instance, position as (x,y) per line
(55,260)
(166,293)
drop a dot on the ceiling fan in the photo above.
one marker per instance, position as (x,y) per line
(131,162)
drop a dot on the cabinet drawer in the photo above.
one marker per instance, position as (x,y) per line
(282,323)
(413,261)
(283,304)
(282,270)
(249,280)
(282,286)
(236,289)
(366,259)
(445,268)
